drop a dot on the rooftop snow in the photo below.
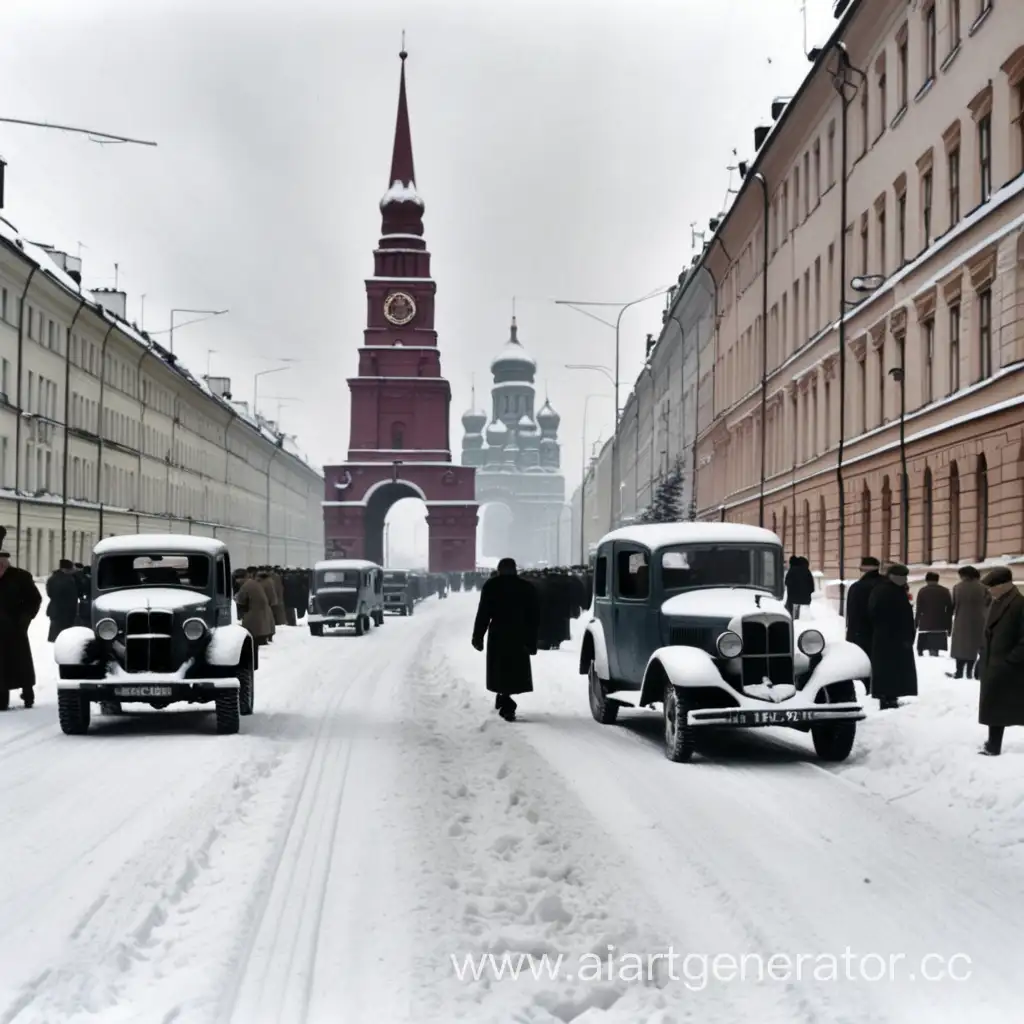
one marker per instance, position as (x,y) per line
(401,193)
(663,535)
(166,543)
(344,563)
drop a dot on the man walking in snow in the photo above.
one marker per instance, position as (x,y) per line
(891,615)
(1001,700)
(509,617)
(20,601)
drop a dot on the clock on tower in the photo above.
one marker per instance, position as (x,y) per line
(399,308)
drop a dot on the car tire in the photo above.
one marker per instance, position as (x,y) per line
(5,698)
(604,710)
(73,712)
(680,739)
(410,611)
(228,712)
(833,741)
(316,629)
(360,625)
(246,690)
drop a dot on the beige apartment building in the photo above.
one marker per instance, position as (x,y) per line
(935,211)
(103,432)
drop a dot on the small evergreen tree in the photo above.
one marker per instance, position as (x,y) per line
(667,504)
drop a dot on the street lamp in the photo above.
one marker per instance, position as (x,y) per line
(583,472)
(867,282)
(205,314)
(898,374)
(596,367)
(263,373)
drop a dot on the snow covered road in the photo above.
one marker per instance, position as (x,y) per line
(375,821)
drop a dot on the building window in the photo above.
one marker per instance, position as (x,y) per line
(864,246)
(831,168)
(864,121)
(928,515)
(785,210)
(865,519)
(796,197)
(817,166)
(397,436)
(903,57)
(883,106)
(901,229)
(928,380)
(930,44)
(953,165)
(862,373)
(881,242)
(886,518)
(954,24)
(926,207)
(985,332)
(981,484)
(985,156)
(881,385)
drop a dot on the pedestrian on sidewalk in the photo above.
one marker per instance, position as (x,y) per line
(799,585)
(62,590)
(1001,702)
(933,616)
(893,670)
(20,601)
(509,616)
(970,605)
(858,622)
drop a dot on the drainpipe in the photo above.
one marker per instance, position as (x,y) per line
(17,424)
(759,177)
(67,417)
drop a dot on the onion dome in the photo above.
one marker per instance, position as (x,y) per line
(497,434)
(529,432)
(547,417)
(474,421)
(513,362)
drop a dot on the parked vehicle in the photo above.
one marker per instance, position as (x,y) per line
(345,594)
(161,632)
(399,591)
(691,616)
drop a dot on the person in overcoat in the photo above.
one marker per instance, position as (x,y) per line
(858,623)
(262,576)
(799,585)
(970,606)
(62,590)
(1001,701)
(893,669)
(20,602)
(277,606)
(933,616)
(509,617)
(254,609)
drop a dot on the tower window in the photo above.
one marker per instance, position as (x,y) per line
(397,436)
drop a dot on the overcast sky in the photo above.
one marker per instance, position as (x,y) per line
(563,150)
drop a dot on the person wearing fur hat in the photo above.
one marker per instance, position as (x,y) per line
(1001,700)
(20,602)
(891,615)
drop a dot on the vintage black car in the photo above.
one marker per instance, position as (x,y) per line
(161,632)
(690,615)
(400,591)
(345,594)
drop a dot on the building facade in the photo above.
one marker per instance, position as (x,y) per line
(399,443)
(901,319)
(103,432)
(515,451)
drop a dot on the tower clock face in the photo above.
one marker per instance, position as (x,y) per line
(399,308)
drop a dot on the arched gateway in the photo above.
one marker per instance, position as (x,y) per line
(399,445)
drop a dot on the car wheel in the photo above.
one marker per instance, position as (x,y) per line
(680,736)
(604,710)
(316,629)
(833,741)
(360,625)
(246,690)
(228,711)
(73,711)
(5,698)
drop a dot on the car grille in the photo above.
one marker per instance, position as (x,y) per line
(346,602)
(767,652)
(147,641)
(693,636)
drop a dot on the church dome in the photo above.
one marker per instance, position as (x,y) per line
(474,420)
(526,425)
(547,417)
(513,362)
(497,434)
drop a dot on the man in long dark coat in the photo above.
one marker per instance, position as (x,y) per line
(933,616)
(508,615)
(1001,702)
(20,602)
(858,623)
(799,585)
(970,608)
(893,669)
(62,590)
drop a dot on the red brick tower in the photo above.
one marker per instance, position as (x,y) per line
(399,444)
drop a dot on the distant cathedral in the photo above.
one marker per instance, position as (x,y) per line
(517,457)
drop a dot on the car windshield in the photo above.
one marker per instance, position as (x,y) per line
(338,578)
(722,565)
(396,578)
(153,569)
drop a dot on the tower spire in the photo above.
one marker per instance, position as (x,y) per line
(402,169)
(472,390)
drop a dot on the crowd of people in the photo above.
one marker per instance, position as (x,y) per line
(268,596)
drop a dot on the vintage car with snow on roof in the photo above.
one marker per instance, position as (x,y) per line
(345,593)
(162,632)
(690,615)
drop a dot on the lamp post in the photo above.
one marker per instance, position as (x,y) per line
(622,307)
(206,313)
(263,373)
(583,473)
(898,374)
(847,81)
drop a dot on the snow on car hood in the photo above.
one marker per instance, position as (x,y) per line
(721,603)
(164,598)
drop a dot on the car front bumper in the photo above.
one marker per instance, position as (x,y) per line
(749,713)
(150,688)
(344,619)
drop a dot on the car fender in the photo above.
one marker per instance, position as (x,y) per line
(840,661)
(682,666)
(70,645)
(227,644)
(594,647)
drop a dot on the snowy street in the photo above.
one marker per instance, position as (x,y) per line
(375,821)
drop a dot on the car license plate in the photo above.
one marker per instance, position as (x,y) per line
(142,691)
(778,717)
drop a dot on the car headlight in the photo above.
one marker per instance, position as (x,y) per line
(106,629)
(193,629)
(729,645)
(811,642)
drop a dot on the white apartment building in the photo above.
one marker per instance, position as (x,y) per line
(103,432)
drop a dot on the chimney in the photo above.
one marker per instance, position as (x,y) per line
(219,386)
(58,257)
(650,344)
(73,267)
(760,134)
(114,302)
(839,8)
(778,106)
